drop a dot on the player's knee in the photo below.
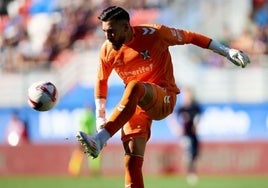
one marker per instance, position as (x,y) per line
(135,88)
(135,85)
(133,161)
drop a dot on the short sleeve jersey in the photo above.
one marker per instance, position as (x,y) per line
(146,57)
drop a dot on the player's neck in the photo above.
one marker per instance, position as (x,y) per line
(129,36)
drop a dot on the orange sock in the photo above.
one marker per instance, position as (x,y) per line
(133,171)
(126,107)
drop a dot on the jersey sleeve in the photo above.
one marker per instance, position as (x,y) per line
(104,71)
(101,89)
(173,36)
(189,37)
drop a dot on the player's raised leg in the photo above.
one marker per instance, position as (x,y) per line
(132,95)
(92,144)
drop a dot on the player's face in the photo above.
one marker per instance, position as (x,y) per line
(115,32)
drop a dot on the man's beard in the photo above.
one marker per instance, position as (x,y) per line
(117,45)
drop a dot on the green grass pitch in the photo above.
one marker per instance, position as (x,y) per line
(118,182)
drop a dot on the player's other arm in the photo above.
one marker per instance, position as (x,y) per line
(101,89)
(237,57)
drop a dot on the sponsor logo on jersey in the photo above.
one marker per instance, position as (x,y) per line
(137,71)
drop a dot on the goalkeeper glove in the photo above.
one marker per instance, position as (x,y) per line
(237,57)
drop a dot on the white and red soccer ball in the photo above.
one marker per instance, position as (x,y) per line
(42,95)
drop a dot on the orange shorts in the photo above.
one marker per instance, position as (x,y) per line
(161,106)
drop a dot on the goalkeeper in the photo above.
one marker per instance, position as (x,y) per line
(87,125)
(140,56)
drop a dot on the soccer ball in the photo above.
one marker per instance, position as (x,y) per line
(42,95)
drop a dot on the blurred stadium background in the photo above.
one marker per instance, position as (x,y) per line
(58,40)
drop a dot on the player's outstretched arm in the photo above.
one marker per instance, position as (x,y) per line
(237,57)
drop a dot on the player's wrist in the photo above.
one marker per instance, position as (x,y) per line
(219,48)
(100,103)
(100,111)
(100,123)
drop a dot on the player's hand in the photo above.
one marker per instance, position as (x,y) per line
(238,58)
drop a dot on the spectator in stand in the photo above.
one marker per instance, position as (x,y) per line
(75,23)
(249,42)
(259,16)
(16,132)
(260,12)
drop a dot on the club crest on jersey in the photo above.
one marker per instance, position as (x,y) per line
(145,54)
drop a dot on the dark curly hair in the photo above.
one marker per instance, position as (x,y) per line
(114,13)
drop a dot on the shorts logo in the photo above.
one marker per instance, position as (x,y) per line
(167,99)
(120,107)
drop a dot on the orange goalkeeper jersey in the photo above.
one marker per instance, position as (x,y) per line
(145,58)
